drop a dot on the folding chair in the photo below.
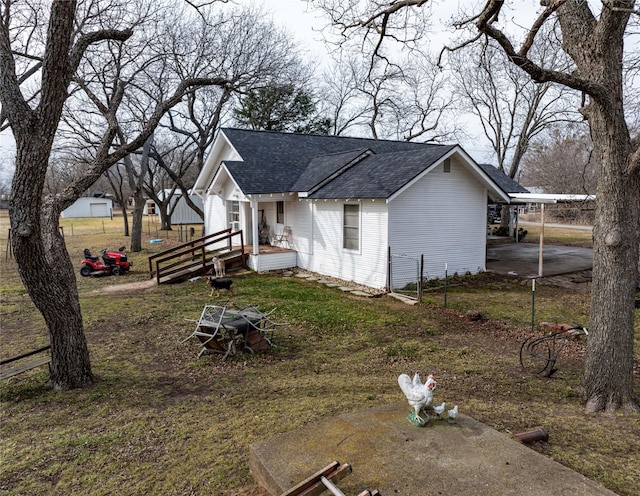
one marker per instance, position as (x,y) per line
(212,334)
(283,237)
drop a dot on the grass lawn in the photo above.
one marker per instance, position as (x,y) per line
(161,421)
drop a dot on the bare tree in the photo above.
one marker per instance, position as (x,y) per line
(512,109)
(167,173)
(57,51)
(401,99)
(594,41)
(595,44)
(400,92)
(253,52)
(340,97)
(116,178)
(566,146)
(234,43)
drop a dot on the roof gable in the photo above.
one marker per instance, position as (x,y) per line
(323,168)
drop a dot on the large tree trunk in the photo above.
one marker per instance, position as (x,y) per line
(43,262)
(46,268)
(165,218)
(608,380)
(136,182)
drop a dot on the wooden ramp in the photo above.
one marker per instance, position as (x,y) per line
(195,257)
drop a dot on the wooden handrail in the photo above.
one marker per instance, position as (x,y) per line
(198,259)
(25,355)
(177,248)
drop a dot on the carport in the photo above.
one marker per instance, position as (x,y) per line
(546,198)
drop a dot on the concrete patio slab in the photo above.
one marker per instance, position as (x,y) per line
(386,452)
(523,259)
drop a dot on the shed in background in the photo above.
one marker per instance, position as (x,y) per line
(182,213)
(88,206)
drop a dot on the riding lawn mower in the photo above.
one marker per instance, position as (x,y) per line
(113,263)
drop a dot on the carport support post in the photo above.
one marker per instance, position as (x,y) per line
(541,255)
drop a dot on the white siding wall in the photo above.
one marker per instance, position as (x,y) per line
(272,261)
(214,214)
(442,216)
(366,266)
(298,215)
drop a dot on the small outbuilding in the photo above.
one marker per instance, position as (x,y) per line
(89,206)
(179,211)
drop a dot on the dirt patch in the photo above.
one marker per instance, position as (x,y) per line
(131,286)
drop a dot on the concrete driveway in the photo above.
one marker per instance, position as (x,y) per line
(522,259)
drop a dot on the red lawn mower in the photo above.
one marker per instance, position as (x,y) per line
(113,263)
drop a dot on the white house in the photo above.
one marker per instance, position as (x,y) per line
(88,206)
(349,202)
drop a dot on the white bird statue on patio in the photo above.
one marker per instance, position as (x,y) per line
(453,413)
(418,394)
(439,410)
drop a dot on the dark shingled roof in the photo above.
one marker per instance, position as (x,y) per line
(501,179)
(334,166)
(380,176)
(273,162)
(323,167)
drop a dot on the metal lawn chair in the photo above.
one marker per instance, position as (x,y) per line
(283,237)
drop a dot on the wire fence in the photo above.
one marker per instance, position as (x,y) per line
(79,227)
(404,275)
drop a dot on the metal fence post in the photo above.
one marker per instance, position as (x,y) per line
(420,278)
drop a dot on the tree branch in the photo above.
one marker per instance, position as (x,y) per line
(81,45)
(537,25)
(634,159)
(14,108)
(537,73)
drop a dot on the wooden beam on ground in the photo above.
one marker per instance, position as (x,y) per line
(313,485)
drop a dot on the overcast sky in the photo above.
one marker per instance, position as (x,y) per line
(305,25)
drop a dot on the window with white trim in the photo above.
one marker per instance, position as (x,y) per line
(233,214)
(351,227)
(280,212)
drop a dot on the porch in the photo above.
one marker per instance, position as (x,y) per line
(270,257)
